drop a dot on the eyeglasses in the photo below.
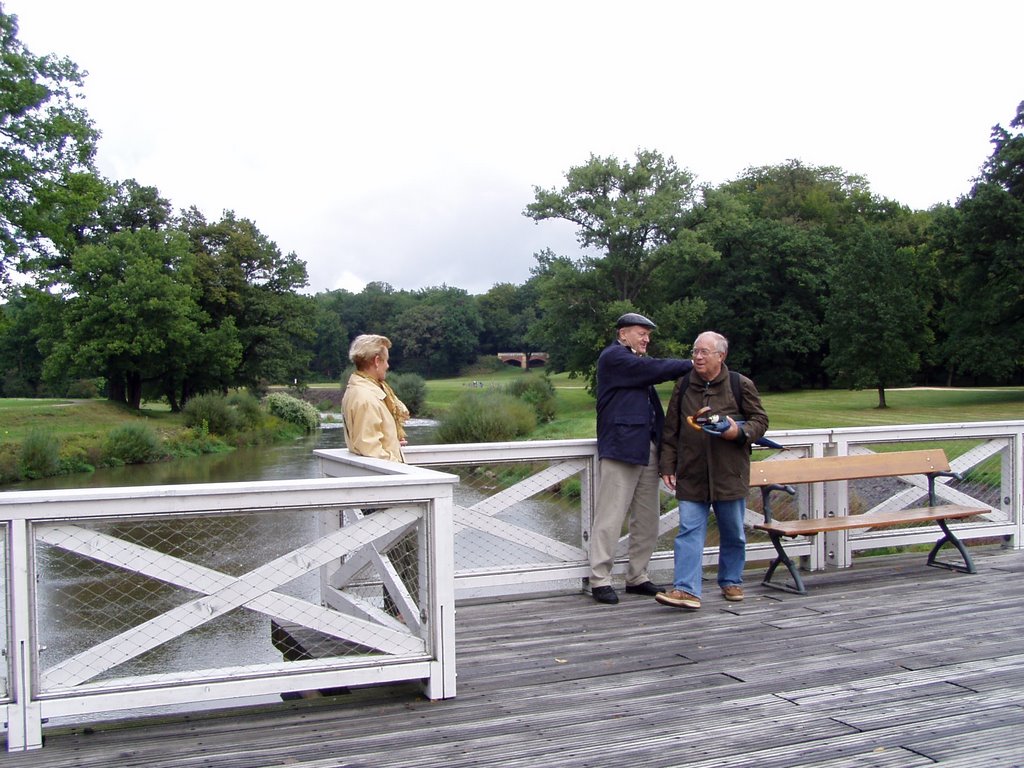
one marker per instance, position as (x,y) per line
(704,352)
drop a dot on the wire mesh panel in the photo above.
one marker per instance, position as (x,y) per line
(519,522)
(211,596)
(512,514)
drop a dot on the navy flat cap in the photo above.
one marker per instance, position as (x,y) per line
(632,318)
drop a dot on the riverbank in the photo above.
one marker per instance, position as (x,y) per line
(81,425)
(55,437)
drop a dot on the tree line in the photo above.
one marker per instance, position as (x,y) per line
(816,281)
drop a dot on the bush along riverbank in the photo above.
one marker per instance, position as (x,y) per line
(45,438)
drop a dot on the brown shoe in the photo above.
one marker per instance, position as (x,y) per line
(733,593)
(678,599)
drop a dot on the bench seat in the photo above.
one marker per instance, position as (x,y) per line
(809,527)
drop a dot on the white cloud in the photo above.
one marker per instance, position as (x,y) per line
(400,141)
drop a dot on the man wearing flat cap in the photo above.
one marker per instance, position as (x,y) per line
(629,423)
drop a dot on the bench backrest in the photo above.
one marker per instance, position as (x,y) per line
(818,470)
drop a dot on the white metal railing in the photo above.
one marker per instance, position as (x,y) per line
(359,571)
(129,598)
(501,550)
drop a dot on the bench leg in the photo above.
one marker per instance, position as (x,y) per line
(797,588)
(948,537)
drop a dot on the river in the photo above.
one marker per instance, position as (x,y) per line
(283,461)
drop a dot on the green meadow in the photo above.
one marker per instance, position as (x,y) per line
(77,420)
(805,409)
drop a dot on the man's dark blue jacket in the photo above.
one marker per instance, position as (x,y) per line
(629,412)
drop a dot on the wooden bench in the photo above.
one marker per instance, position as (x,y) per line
(781,475)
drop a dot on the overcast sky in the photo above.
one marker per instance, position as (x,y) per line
(400,141)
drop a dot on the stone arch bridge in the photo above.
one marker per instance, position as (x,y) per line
(524,360)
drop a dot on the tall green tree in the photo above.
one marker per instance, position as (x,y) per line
(132,313)
(778,231)
(765,290)
(877,318)
(374,309)
(982,258)
(29,322)
(633,214)
(329,346)
(506,312)
(242,275)
(439,334)
(46,138)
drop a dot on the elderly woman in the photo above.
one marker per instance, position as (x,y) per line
(373,414)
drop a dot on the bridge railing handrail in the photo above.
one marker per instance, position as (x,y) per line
(1006,520)
(79,522)
(417,497)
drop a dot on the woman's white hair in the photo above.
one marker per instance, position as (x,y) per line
(366,347)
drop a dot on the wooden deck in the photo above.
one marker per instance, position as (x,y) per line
(889,663)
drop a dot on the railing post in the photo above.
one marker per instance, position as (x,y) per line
(24,718)
(1012,491)
(440,541)
(836,503)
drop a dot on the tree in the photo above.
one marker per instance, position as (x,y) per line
(506,312)
(877,315)
(982,257)
(132,314)
(765,291)
(242,275)
(439,334)
(46,138)
(329,347)
(29,320)
(634,214)
(778,231)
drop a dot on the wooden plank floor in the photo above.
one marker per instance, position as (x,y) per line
(889,663)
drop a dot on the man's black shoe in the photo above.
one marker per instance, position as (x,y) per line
(648,588)
(604,595)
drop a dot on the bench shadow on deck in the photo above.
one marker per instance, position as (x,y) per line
(889,663)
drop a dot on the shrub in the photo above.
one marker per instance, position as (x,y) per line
(486,417)
(247,410)
(84,389)
(411,389)
(132,444)
(211,410)
(538,392)
(195,441)
(16,385)
(39,455)
(293,410)
(10,469)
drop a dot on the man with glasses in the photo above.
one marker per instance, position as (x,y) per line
(709,470)
(629,421)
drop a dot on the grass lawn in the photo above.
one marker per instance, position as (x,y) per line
(91,419)
(74,418)
(805,409)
